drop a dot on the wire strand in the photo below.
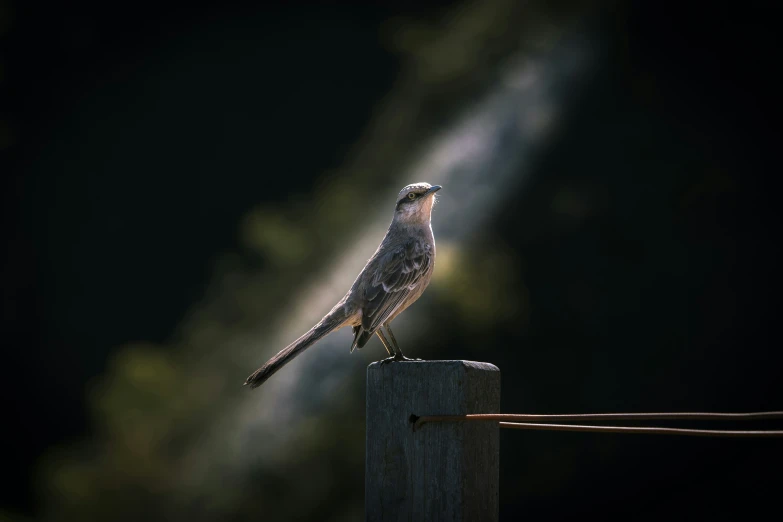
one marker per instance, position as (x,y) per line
(528,417)
(641,429)
(523,421)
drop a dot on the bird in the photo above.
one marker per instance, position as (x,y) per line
(392,280)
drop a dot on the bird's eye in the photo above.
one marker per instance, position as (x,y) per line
(411,196)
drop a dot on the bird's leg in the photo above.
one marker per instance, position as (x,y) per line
(385,342)
(386,345)
(398,356)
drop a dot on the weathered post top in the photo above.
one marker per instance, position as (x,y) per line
(444,470)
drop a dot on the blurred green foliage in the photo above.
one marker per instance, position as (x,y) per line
(481,285)
(602,286)
(156,407)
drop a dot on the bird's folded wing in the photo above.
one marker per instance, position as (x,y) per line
(396,276)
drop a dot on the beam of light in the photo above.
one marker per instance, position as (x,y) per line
(479,160)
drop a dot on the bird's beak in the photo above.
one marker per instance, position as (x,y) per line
(433,189)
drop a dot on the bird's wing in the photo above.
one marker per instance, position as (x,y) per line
(395,276)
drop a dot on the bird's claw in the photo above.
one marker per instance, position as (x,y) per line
(397,357)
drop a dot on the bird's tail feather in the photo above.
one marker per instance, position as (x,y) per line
(334,320)
(360,338)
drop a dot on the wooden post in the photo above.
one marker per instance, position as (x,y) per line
(443,471)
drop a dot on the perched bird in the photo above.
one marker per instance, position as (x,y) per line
(393,278)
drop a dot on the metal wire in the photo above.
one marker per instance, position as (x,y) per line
(522,422)
(641,429)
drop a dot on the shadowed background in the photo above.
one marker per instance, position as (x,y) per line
(185,191)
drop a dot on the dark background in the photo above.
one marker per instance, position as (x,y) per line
(124,180)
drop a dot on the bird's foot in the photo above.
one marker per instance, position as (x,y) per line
(396,358)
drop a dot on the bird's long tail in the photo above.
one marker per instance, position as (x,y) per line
(333,320)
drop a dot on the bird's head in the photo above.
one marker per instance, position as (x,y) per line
(414,203)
